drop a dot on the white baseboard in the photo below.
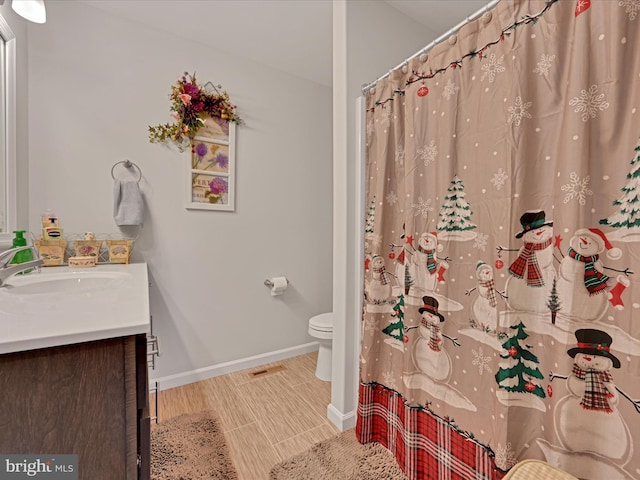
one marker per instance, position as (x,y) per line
(179,379)
(344,421)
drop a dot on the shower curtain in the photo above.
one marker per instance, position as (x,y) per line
(501,318)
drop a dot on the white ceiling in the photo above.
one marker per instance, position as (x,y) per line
(293,36)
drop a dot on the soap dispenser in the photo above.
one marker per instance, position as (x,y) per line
(19,241)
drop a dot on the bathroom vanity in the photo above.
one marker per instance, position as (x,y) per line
(73,368)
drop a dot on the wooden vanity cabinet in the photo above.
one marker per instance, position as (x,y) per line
(89,399)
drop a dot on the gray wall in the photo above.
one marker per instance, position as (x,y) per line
(95,83)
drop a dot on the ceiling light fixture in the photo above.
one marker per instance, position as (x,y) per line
(32,10)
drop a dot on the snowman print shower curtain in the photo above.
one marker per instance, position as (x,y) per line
(501,309)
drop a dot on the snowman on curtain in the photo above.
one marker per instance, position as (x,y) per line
(532,273)
(427,270)
(378,288)
(588,420)
(484,307)
(582,283)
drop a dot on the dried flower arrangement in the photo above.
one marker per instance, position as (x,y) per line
(191,103)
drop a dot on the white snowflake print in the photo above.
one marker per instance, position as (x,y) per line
(499,179)
(422,207)
(371,325)
(505,457)
(400,154)
(428,153)
(632,7)
(577,189)
(369,128)
(385,119)
(376,238)
(392,198)
(518,111)
(544,64)
(389,380)
(480,242)
(450,89)
(589,102)
(481,361)
(492,66)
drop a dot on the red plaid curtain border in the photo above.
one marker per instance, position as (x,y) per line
(426,446)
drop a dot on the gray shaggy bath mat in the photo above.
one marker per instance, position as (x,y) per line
(340,458)
(190,447)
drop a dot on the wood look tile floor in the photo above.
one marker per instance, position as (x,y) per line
(266,418)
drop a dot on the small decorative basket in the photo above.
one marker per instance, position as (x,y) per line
(119,250)
(51,251)
(87,248)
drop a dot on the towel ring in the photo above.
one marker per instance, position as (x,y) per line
(127,164)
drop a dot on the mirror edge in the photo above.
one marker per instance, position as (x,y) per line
(10,132)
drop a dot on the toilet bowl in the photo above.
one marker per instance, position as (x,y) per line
(321,328)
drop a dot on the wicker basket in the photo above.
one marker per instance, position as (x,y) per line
(52,252)
(119,250)
(87,248)
(537,470)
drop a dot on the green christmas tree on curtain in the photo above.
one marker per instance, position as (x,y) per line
(553,304)
(521,365)
(455,214)
(396,329)
(628,215)
(370,216)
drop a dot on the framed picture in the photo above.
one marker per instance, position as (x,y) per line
(211,174)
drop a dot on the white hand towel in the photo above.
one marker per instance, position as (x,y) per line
(128,204)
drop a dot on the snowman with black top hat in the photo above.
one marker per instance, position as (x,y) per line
(588,420)
(532,273)
(429,356)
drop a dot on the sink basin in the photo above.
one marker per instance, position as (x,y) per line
(63,282)
(65,305)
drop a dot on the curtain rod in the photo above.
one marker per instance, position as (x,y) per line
(440,39)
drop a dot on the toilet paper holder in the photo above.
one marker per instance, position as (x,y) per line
(269,283)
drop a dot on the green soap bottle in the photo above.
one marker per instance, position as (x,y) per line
(24,255)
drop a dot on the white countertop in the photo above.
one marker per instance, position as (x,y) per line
(104,301)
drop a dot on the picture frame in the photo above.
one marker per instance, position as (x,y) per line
(210,178)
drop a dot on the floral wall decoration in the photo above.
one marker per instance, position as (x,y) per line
(205,119)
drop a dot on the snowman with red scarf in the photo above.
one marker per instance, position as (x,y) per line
(378,289)
(582,284)
(484,306)
(427,269)
(532,273)
(428,352)
(588,420)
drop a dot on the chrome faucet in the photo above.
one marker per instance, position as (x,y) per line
(7,269)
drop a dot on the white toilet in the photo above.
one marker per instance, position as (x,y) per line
(321,328)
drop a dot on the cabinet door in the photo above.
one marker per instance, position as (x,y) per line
(69,400)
